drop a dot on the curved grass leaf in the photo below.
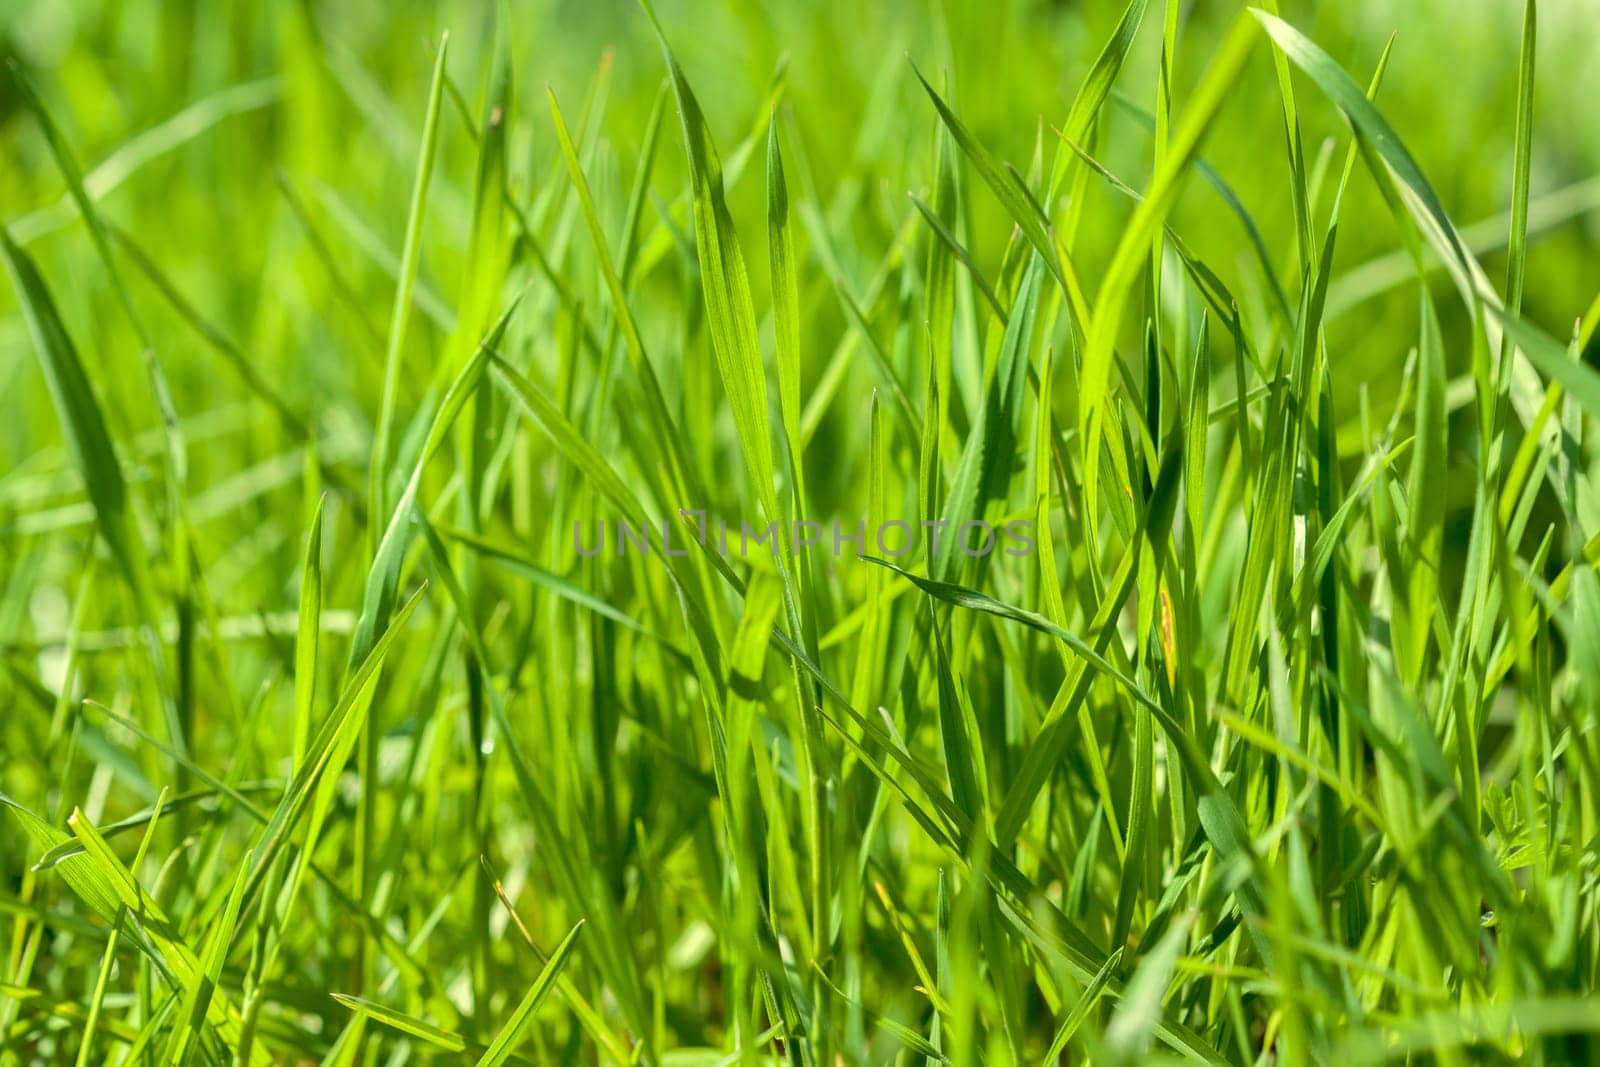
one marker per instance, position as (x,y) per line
(1544,353)
(84,426)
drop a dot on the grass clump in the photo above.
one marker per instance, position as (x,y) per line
(595,573)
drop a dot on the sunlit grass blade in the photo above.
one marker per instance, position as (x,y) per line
(405,1024)
(198,995)
(1003,181)
(307,635)
(330,748)
(1111,302)
(785,314)
(505,1043)
(725,287)
(410,254)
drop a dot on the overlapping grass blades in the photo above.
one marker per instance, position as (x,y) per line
(513,682)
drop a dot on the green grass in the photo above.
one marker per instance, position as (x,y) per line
(327,324)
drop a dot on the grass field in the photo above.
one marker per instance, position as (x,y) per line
(1007,533)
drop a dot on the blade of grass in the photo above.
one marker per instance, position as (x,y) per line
(1132,248)
(506,1042)
(411,252)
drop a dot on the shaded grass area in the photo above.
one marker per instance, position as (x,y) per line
(1262,732)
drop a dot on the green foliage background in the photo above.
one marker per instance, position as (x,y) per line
(1307,696)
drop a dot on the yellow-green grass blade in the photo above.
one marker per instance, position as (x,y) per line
(410,253)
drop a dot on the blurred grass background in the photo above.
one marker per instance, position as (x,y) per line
(350,120)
